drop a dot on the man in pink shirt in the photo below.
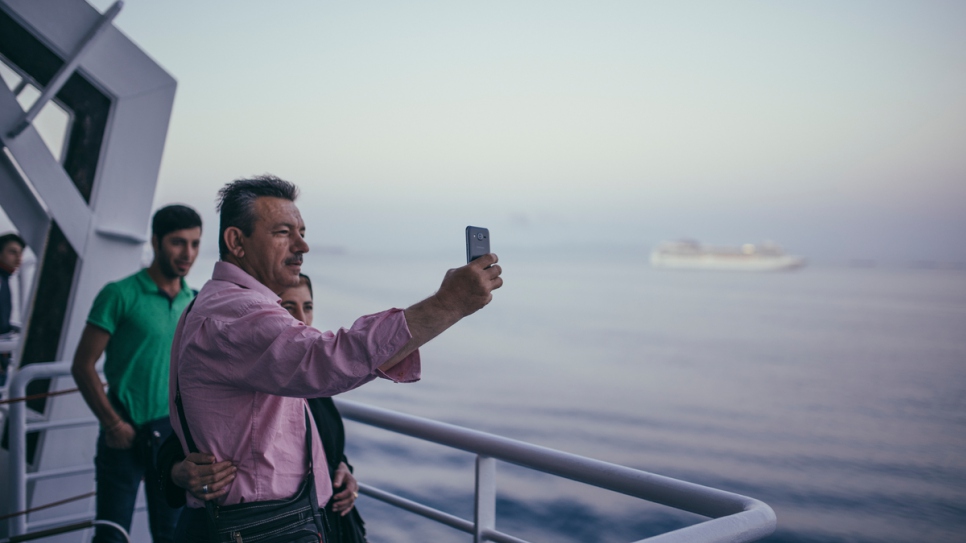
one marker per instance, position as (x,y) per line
(244,365)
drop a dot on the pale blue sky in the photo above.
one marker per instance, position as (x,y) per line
(834,128)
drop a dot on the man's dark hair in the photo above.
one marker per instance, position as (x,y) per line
(10,237)
(172,218)
(236,203)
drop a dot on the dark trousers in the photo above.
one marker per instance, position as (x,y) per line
(192,526)
(119,474)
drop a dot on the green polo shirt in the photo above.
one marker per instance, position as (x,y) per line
(141,320)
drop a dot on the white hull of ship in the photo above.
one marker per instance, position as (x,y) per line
(720,262)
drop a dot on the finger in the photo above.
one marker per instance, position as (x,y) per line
(221,469)
(208,473)
(339,478)
(215,486)
(211,495)
(342,505)
(201,458)
(343,495)
(354,487)
(494,271)
(484,261)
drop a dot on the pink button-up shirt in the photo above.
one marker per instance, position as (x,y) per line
(245,366)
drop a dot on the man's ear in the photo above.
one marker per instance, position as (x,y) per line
(155,244)
(234,241)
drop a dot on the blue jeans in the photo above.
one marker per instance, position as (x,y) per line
(119,474)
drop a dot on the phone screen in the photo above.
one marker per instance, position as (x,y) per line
(477,242)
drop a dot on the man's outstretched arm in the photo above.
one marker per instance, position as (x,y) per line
(463,292)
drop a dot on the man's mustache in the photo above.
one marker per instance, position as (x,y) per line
(294,260)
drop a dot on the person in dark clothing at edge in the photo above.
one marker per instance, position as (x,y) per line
(11,255)
(199,471)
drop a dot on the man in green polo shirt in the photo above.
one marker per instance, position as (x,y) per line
(132,323)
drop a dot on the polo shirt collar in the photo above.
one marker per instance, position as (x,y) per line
(226,271)
(149,286)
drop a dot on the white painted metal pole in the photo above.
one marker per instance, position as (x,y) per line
(485,506)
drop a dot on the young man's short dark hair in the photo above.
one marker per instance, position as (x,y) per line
(173,218)
(11,237)
(236,203)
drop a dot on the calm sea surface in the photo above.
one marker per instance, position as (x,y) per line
(835,395)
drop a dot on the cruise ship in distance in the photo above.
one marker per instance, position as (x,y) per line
(691,255)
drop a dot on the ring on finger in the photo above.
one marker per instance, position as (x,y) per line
(204,489)
(355,495)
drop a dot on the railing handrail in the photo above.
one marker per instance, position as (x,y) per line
(734,518)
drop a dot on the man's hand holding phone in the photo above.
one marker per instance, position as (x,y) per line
(464,291)
(467,289)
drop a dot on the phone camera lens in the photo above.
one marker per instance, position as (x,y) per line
(479,236)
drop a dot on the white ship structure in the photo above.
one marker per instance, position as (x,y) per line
(691,255)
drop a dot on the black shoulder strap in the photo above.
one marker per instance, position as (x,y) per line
(177,392)
(184,423)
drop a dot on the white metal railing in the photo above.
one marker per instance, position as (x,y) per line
(18,475)
(732,518)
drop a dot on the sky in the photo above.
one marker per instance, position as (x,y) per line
(833,128)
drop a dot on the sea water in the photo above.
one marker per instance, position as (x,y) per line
(836,395)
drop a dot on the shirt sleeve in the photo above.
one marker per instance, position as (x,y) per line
(107,309)
(274,353)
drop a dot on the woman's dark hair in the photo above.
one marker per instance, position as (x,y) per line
(308,283)
(236,203)
(174,217)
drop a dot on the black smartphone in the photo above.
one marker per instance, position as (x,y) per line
(477,242)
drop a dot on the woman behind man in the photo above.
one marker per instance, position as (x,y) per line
(208,480)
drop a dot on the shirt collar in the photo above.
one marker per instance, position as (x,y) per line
(226,271)
(149,286)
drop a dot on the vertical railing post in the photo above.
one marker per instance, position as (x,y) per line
(18,452)
(485,506)
(18,438)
